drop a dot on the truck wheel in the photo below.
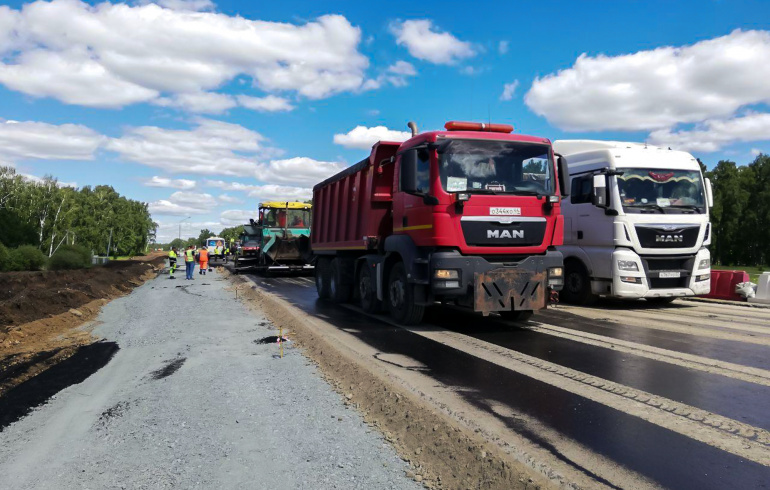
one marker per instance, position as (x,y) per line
(401,297)
(339,288)
(660,301)
(367,289)
(517,315)
(322,278)
(577,285)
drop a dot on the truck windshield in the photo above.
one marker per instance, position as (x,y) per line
(488,166)
(293,218)
(661,191)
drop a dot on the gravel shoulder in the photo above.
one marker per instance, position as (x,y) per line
(191,400)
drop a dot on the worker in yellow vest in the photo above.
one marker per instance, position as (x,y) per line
(171,262)
(189,262)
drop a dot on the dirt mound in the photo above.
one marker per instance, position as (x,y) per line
(29,296)
(41,312)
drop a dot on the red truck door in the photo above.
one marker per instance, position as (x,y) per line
(410,213)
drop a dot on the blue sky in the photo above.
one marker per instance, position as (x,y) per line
(178,108)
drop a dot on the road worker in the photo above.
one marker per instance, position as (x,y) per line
(189,262)
(227,253)
(171,262)
(203,260)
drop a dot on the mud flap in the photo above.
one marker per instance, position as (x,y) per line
(509,290)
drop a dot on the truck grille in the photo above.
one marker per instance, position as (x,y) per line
(651,236)
(653,266)
(493,234)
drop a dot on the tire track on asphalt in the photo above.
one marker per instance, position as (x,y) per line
(727,434)
(676,325)
(690,361)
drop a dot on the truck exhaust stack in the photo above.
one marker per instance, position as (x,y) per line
(413,127)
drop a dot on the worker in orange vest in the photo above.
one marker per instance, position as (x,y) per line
(203,260)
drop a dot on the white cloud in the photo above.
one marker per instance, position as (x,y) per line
(714,134)
(658,88)
(272,192)
(271,103)
(756,152)
(424,42)
(183,203)
(402,67)
(211,148)
(112,55)
(198,102)
(509,89)
(229,186)
(169,230)
(29,140)
(267,192)
(36,179)
(297,170)
(165,182)
(229,199)
(192,5)
(233,217)
(362,137)
(397,75)
(502,47)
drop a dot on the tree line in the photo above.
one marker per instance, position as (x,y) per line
(740,218)
(229,234)
(45,215)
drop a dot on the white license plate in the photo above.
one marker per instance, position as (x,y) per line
(505,211)
(667,275)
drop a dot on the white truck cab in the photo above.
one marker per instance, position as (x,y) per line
(636,224)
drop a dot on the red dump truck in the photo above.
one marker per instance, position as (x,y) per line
(468,216)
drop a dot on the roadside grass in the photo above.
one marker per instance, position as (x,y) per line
(754,272)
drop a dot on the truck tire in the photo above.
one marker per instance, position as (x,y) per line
(339,286)
(517,315)
(366,288)
(322,278)
(401,297)
(577,284)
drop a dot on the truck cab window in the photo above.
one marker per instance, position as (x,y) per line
(423,171)
(582,188)
(489,166)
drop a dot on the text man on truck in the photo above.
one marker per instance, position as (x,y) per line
(636,224)
(468,216)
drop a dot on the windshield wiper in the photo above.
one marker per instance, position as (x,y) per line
(687,206)
(648,206)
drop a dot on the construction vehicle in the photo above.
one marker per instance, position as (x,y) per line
(278,240)
(468,216)
(636,224)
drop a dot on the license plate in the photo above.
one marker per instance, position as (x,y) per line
(667,275)
(505,211)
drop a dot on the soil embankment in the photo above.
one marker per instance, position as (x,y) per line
(41,313)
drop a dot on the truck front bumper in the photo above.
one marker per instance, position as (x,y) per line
(649,280)
(496,286)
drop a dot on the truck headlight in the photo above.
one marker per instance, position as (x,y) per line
(704,264)
(702,277)
(446,274)
(555,272)
(627,265)
(556,278)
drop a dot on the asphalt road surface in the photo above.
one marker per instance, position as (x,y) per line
(622,395)
(188,399)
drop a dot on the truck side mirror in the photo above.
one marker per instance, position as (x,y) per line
(561,164)
(709,193)
(409,171)
(599,197)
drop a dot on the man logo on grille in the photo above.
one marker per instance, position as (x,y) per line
(669,238)
(505,234)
